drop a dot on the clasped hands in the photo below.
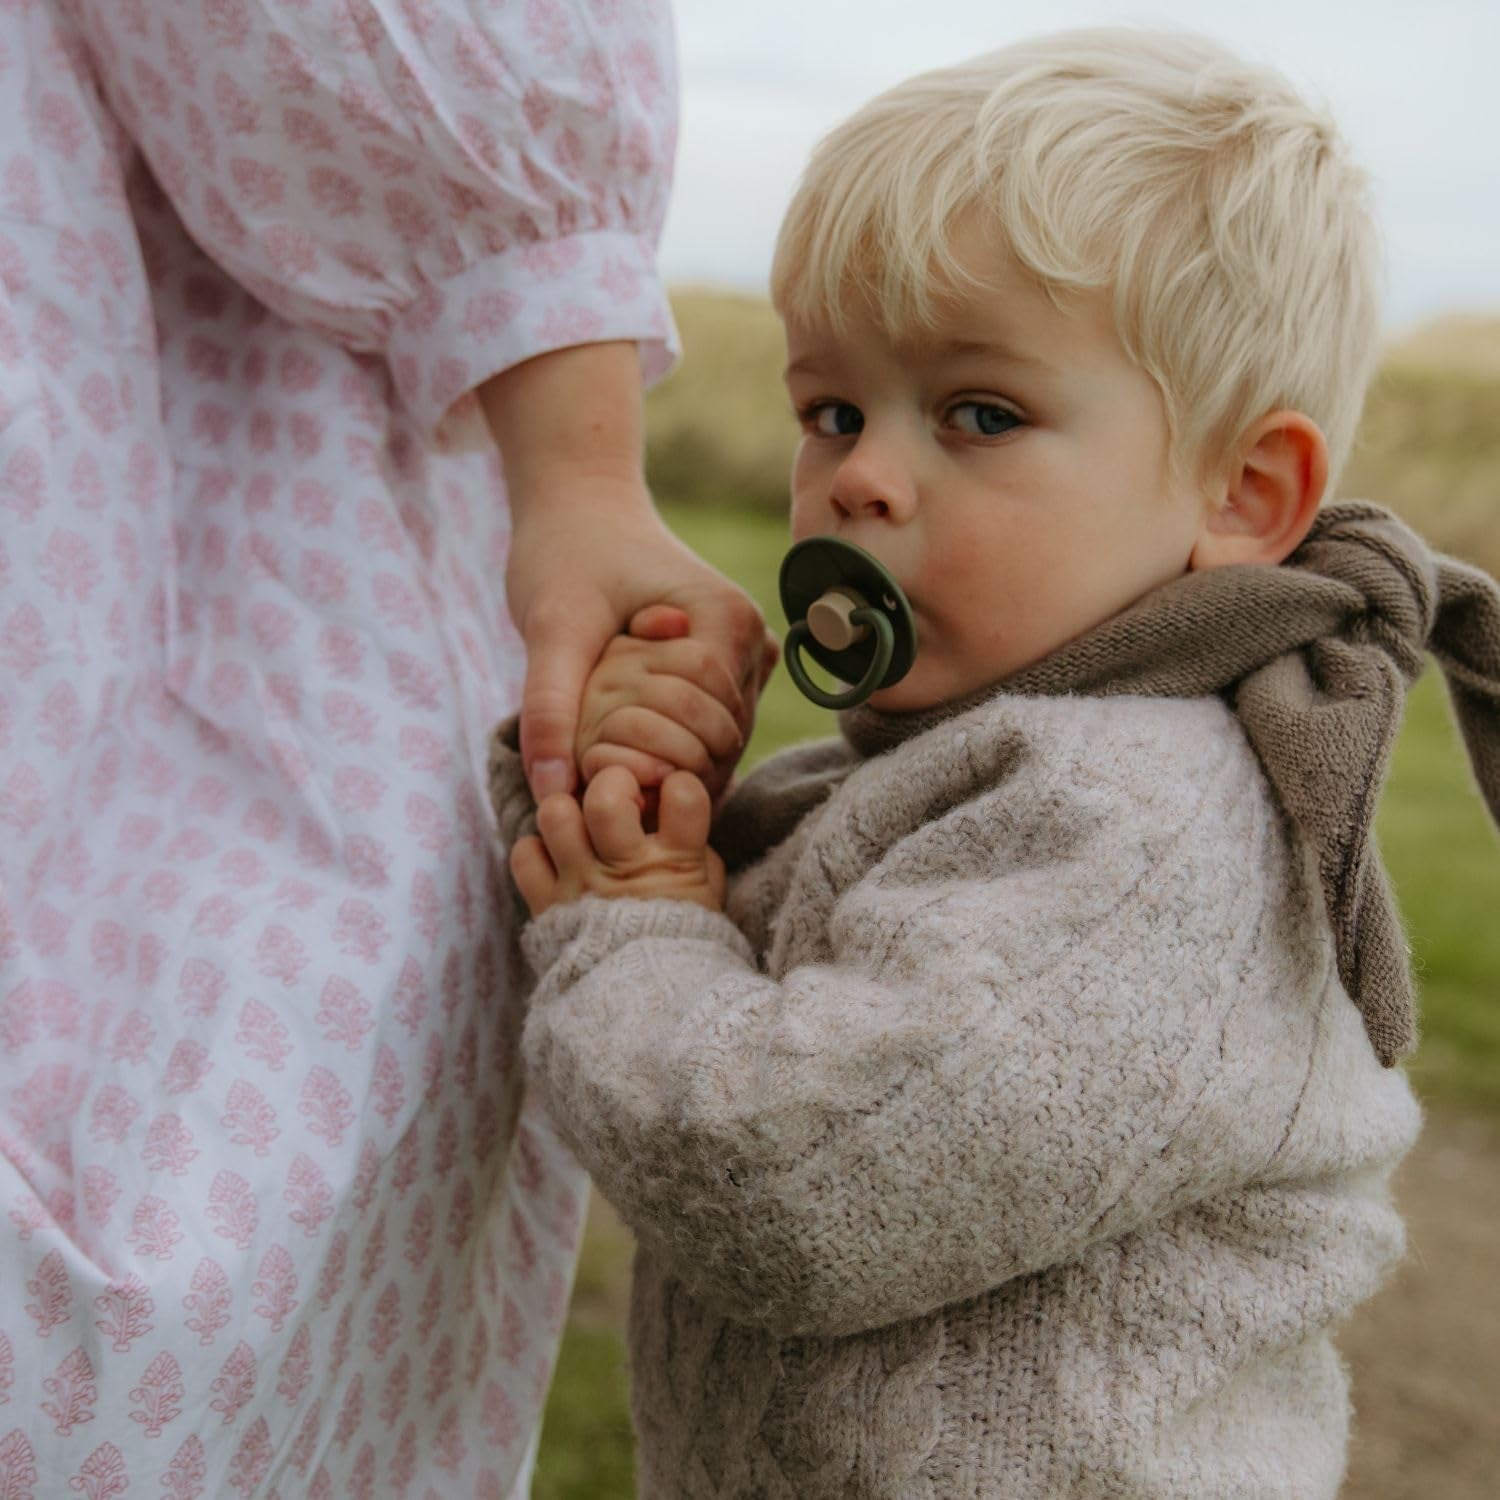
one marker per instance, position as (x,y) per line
(658,729)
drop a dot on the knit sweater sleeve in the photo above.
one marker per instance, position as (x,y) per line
(1043,1018)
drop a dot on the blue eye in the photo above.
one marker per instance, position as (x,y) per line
(987,420)
(835,419)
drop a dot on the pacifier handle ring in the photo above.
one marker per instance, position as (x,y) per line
(885,647)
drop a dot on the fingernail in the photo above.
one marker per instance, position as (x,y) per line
(549,776)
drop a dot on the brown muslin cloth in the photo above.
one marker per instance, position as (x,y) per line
(1315,656)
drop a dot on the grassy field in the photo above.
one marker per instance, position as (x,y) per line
(720,441)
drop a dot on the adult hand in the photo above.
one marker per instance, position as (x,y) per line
(588,550)
(656,700)
(579,570)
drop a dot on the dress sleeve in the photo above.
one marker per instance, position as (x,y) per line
(458,184)
(1004,1060)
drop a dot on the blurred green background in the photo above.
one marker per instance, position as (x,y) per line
(720,437)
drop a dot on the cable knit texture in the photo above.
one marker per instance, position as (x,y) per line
(1011,1133)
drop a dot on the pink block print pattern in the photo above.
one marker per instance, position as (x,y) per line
(276,1217)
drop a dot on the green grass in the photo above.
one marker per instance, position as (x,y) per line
(1444,860)
(587,1450)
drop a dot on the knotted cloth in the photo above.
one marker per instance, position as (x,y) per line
(1315,656)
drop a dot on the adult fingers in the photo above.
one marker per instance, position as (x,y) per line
(659,622)
(731,621)
(735,631)
(770,655)
(562,646)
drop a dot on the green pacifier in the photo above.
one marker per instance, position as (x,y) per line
(849,615)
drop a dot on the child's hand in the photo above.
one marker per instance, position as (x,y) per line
(602,848)
(658,701)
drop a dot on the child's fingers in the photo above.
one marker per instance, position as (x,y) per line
(647,769)
(675,721)
(696,663)
(685,813)
(612,805)
(659,622)
(696,709)
(655,735)
(559,820)
(533,873)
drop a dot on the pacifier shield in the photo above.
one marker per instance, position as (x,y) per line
(831,571)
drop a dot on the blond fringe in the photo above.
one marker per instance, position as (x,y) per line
(1221,209)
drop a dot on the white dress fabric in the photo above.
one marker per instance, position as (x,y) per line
(276,1216)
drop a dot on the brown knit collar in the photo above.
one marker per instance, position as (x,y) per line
(1314,656)
(871,731)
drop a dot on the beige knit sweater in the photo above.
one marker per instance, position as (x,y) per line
(1009,1135)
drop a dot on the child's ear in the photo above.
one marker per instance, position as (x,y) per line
(1271,497)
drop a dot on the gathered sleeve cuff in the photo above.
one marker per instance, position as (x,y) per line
(586,288)
(592,929)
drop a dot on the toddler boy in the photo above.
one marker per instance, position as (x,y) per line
(1001,1093)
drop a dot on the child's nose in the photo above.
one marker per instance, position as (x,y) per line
(872,484)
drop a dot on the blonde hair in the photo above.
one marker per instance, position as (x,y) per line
(1221,209)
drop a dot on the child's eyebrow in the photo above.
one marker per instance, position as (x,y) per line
(807,365)
(1000,352)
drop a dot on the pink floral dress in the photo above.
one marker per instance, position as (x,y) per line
(276,1215)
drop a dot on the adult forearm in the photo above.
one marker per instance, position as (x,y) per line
(588,549)
(569,426)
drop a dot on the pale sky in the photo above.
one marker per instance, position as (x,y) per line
(1415,86)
